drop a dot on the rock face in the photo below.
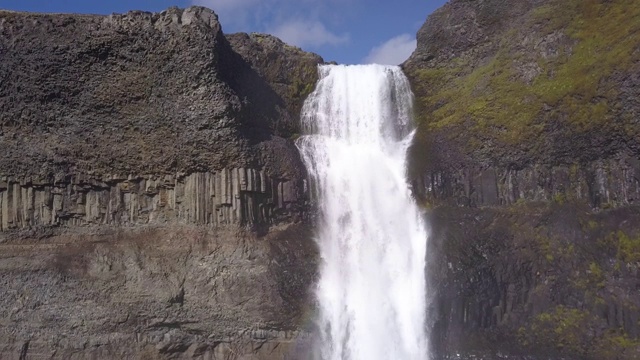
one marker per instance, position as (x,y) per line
(291,72)
(152,204)
(157,292)
(124,80)
(227,197)
(528,154)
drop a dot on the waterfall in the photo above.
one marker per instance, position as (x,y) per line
(372,239)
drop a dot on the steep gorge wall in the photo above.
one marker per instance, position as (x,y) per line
(152,204)
(527,156)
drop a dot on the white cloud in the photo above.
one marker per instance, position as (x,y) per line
(392,52)
(307,33)
(226,5)
(282,18)
(234,13)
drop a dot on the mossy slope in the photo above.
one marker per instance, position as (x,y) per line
(528,118)
(538,86)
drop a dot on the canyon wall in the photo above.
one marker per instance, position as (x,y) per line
(152,202)
(527,156)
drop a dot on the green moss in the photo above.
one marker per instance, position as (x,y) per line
(596,276)
(628,248)
(571,331)
(625,246)
(606,34)
(562,327)
(552,248)
(559,198)
(616,344)
(545,13)
(303,82)
(546,249)
(595,270)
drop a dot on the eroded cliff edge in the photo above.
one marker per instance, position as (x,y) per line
(152,203)
(528,155)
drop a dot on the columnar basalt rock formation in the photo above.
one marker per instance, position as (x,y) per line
(604,183)
(237,196)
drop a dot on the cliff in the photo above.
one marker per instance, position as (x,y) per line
(528,157)
(152,204)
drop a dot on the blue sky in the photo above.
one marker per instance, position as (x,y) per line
(347,31)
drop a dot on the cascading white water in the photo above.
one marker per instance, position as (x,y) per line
(372,238)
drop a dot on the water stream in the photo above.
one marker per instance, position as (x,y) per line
(372,238)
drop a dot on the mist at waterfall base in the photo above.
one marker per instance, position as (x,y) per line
(372,289)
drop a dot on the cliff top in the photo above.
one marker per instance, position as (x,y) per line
(512,83)
(142,93)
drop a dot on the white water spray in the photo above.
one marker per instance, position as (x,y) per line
(372,238)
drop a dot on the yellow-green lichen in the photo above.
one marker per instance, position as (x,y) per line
(616,344)
(562,327)
(592,281)
(627,247)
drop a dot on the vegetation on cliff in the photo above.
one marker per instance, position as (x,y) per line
(527,153)
(536,279)
(557,71)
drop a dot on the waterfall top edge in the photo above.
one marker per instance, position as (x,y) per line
(324,70)
(359,66)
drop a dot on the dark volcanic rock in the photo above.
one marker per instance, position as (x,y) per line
(291,72)
(504,83)
(461,26)
(131,94)
(92,105)
(152,203)
(155,293)
(113,94)
(527,153)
